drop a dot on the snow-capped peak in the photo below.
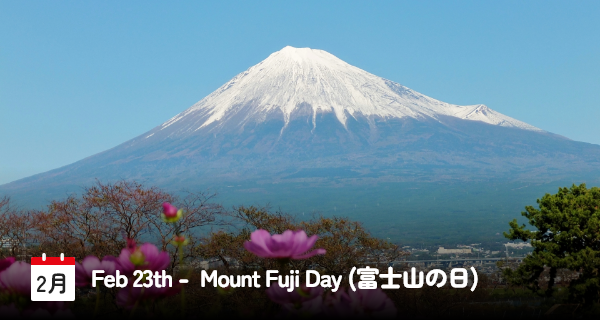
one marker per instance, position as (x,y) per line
(297,77)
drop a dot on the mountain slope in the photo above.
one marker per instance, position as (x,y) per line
(305,115)
(301,81)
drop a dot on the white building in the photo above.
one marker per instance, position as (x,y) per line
(441,250)
(7,243)
(519,245)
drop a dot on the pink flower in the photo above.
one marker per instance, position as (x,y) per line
(170,213)
(144,257)
(17,278)
(290,245)
(180,240)
(362,302)
(131,245)
(83,270)
(128,296)
(169,210)
(5,263)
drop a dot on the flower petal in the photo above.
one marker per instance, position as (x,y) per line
(306,244)
(281,245)
(5,263)
(17,278)
(257,249)
(258,243)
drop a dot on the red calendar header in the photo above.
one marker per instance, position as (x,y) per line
(53,261)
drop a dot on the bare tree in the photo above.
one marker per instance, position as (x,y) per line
(19,231)
(100,220)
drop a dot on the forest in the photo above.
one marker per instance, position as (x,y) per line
(127,226)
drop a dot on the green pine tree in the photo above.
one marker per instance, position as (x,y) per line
(567,237)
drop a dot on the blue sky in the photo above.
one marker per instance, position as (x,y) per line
(77,78)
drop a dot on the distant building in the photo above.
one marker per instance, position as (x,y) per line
(441,250)
(204,264)
(519,245)
(7,243)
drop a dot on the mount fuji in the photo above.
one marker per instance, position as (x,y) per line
(305,116)
(301,83)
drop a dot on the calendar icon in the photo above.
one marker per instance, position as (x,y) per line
(52,278)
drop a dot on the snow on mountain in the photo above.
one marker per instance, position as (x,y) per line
(304,116)
(293,78)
